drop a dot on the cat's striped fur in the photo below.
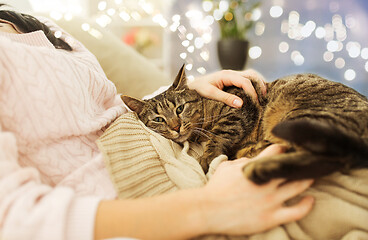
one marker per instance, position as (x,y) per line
(324,125)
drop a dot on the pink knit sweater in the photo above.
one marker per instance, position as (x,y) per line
(54,104)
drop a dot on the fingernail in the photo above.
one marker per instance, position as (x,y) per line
(311,181)
(264,92)
(310,199)
(237,102)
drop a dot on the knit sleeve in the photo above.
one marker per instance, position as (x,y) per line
(30,209)
(53,105)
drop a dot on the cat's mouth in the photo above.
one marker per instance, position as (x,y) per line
(181,138)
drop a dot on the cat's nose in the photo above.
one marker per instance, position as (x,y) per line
(176,128)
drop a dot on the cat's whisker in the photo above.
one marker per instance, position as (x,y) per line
(208,132)
(198,132)
(212,118)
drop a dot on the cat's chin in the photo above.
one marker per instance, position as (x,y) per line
(180,139)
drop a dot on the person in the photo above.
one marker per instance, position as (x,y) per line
(55,102)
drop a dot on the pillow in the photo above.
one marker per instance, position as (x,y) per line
(131,73)
(143,163)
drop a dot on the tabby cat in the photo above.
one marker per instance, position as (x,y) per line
(323,124)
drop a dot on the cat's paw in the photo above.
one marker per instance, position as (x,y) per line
(204,164)
(261,172)
(253,149)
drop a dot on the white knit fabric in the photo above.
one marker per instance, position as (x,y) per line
(54,104)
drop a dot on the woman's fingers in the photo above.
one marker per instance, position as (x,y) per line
(292,189)
(211,86)
(215,93)
(295,212)
(234,78)
(252,74)
(274,149)
(229,99)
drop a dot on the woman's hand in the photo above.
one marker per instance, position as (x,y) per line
(228,204)
(211,85)
(235,205)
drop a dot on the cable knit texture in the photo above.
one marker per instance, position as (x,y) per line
(54,104)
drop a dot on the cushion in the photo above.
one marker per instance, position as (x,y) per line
(131,73)
(143,163)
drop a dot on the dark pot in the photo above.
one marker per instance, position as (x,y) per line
(232,53)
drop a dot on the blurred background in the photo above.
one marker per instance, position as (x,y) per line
(327,37)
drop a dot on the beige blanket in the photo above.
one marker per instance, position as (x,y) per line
(142,163)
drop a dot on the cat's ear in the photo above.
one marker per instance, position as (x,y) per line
(134,104)
(180,80)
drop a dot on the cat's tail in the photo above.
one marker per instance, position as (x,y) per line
(323,139)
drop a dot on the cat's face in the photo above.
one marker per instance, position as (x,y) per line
(176,113)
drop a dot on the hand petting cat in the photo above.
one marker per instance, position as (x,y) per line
(211,85)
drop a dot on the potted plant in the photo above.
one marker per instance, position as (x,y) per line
(235,19)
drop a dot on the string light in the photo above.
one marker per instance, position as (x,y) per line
(190,49)
(207,6)
(223,6)
(199,42)
(320,32)
(189,67)
(190,78)
(85,27)
(308,29)
(111,12)
(190,36)
(297,58)
(185,43)
(195,37)
(276,11)
(353,49)
(68,16)
(340,63)
(259,28)
(283,47)
(332,46)
(183,55)
(255,52)
(58,34)
(125,16)
(350,74)
(293,19)
(329,32)
(176,18)
(350,21)
(205,55)
(364,53)
(256,14)
(201,70)
(334,34)
(328,56)
(102,5)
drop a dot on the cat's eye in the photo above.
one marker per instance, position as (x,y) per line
(159,119)
(179,109)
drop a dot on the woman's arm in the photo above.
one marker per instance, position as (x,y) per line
(228,204)
(211,85)
(30,209)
